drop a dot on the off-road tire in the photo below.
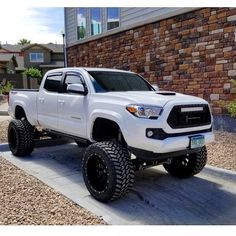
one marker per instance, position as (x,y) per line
(117,166)
(20,137)
(187,165)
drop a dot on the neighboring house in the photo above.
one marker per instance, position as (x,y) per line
(14,59)
(11,59)
(42,56)
(190,50)
(7,63)
(11,68)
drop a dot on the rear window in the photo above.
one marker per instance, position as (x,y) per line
(52,83)
(106,81)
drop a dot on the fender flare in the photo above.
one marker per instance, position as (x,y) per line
(24,107)
(106,114)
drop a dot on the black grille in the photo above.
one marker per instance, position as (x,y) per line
(184,119)
(160,134)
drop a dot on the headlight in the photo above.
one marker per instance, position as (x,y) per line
(144,111)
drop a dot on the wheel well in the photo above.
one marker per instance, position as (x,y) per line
(105,129)
(19,113)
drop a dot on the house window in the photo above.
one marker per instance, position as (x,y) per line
(113,18)
(81,23)
(36,57)
(96,25)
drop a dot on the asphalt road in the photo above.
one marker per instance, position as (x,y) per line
(156,198)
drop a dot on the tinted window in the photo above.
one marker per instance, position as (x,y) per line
(104,81)
(72,79)
(52,83)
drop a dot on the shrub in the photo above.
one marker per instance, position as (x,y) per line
(7,88)
(33,73)
(231,107)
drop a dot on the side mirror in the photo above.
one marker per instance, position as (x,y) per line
(76,88)
(155,87)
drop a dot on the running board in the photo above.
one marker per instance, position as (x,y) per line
(76,138)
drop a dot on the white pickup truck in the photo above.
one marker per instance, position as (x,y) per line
(125,123)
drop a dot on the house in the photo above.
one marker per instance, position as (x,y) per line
(11,59)
(14,59)
(189,50)
(7,63)
(41,56)
(11,68)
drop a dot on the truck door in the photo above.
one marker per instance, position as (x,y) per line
(47,101)
(72,108)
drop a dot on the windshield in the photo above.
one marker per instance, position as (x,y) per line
(107,81)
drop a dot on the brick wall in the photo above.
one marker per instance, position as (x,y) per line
(193,53)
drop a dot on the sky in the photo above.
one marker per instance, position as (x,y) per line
(38,24)
(30,19)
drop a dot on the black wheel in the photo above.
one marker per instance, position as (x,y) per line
(81,144)
(20,137)
(187,165)
(107,170)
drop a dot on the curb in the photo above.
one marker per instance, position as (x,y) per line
(4,113)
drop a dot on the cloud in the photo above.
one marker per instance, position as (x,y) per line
(81,20)
(40,25)
(113,20)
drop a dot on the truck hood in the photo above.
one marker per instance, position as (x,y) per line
(158,98)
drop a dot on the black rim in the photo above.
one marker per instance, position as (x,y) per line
(12,138)
(97,173)
(185,162)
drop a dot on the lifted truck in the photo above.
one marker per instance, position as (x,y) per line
(125,123)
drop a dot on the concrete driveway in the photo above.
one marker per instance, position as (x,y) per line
(156,198)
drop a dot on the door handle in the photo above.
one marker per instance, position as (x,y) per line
(41,100)
(61,101)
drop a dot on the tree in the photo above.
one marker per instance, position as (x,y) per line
(23,41)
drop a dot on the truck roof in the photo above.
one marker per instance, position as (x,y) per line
(89,69)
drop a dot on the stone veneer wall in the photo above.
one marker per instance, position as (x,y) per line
(192,53)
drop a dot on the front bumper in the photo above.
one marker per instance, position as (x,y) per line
(171,139)
(135,135)
(172,144)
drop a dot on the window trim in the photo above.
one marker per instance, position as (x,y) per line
(32,61)
(106,21)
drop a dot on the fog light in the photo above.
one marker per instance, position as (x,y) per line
(150,133)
